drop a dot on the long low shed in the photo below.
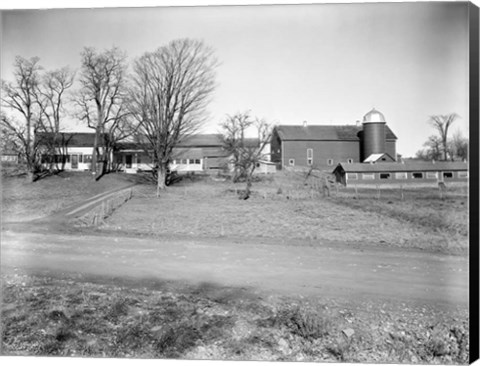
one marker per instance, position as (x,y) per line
(398,173)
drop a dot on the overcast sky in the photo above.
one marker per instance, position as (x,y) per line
(324,64)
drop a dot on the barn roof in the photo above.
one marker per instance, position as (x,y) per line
(373,158)
(71,139)
(201,140)
(407,166)
(324,133)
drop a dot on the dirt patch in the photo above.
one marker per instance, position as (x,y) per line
(78,317)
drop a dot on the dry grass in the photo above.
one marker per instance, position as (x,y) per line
(23,201)
(288,207)
(77,317)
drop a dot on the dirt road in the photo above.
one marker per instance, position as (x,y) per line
(320,269)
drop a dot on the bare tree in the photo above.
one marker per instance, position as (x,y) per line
(459,146)
(442,124)
(245,153)
(19,96)
(101,98)
(233,132)
(51,96)
(171,89)
(433,149)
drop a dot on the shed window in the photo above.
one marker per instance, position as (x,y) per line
(448,175)
(368,176)
(330,161)
(350,161)
(309,153)
(352,176)
(432,175)
(463,174)
(401,175)
(309,161)
(385,175)
(291,162)
(417,175)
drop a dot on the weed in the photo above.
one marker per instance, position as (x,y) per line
(302,323)
(63,334)
(118,309)
(173,341)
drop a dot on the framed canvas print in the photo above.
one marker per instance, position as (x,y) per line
(260,182)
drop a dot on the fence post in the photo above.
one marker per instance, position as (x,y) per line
(401,191)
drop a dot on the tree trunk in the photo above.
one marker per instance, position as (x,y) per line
(161,173)
(30,176)
(249,184)
(94,153)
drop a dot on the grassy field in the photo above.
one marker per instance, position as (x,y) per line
(288,207)
(105,317)
(23,201)
(113,318)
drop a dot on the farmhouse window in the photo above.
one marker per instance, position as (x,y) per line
(385,175)
(368,176)
(432,175)
(330,161)
(197,161)
(448,175)
(417,175)
(291,162)
(87,158)
(80,158)
(463,174)
(401,175)
(352,176)
(183,161)
(139,159)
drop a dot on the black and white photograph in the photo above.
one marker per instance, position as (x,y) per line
(249,182)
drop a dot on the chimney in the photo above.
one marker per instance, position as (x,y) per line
(304,123)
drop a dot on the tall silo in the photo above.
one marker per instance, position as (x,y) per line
(373,133)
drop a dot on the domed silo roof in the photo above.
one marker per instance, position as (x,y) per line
(374,116)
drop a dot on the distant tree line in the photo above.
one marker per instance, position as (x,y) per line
(160,101)
(441,146)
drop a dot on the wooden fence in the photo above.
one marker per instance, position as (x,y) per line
(98,213)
